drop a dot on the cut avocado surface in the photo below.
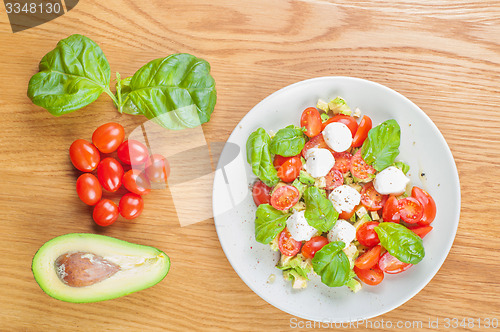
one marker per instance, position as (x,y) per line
(90,268)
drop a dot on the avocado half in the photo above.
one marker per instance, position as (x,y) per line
(90,268)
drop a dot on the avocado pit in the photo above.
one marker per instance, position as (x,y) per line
(80,269)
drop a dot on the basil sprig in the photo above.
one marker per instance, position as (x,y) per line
(320,212)
(259,157)
(288,141)
(400,242)
(382,145)
(332,264)
(269,222)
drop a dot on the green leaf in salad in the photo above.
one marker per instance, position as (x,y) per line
(382,145)
(332,264)
(400,242)
(288,142)
(402,166)
(269,222)
(259,157)
(320,212)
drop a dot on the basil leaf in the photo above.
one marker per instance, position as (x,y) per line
(332,264)
(400,242)
(259,157)
(288,142)
(269,223)
(71,76)
(382,145)
(176,92)
(320,212)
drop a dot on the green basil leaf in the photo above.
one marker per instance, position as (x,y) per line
(382,145)
(71,76)
(400,242)
(332,264)
(176,92)
(320,212)
(288,142)
(259,157)
(269,223)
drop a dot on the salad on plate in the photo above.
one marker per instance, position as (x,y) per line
(333,199)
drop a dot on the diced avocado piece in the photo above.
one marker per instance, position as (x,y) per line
(274,244)
(299,185)
(320,182)
(353,285)
(356,113)
(352,253)
(298,281)
(374,215)
(402,166)
(324,117)
(306,178)
(300,206)
(361,211)
(302,160)
(362,220)
(84,268)
(339,106)
(322,105)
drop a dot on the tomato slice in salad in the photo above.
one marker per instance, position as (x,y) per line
(371,199)
(311,121)
(334,179)
(315,142)
(310,248)
(362,132)
(342,161)
(421,231)
(392,265)
(260,193)
(366,234)
(428,204)
(290,169)
(348,120)
(287,245)
(346,215)
(369,259)
(390,212)
(360,169)
(285,197)
(411,210)
(372,276)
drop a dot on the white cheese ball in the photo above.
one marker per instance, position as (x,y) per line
(298,227)
(319,162)
(391,181)
(337,136)
(342,231)
(344,198)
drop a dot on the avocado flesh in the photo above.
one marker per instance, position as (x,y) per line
(138,267)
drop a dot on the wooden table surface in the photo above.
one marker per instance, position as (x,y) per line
(444,56)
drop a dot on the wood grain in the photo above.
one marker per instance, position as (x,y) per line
(443,55)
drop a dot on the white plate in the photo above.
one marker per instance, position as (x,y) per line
(422,147)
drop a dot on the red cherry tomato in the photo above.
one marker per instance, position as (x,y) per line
(136,182)
(360,169)
(157,168)
(311,120)
(279,160)
(260,193)
(362,132)
(288,246)
(110,173)
(285,197)
(390,211)
(334,179)
(290,169)
(310,248)
(411,210)
(108,137)
(131,206)
(349,121)
(392,265)
(88,189)
(372,276)
(84,156)
(342,161)
(132,152)
(346,215)
(366,234)
(427,202)
(315,142)
(105,212)
(369,259)
(371,199)
(421,231)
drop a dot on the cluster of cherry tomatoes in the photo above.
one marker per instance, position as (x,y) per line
(134,168)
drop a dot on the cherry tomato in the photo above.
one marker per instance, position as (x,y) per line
(279,160)
(390,212)
(84,156)
(392,265)
(132,152)
(372,276)
(131,206)
(136,182)
(334,179)
(346,215)
(411,210)
(342,161)
(366,234)
(88,189)
(421,231)
(348,120)
(310,248)
(110,173)
(362,132)
(369,259)
(288,246)
(157,168)
(108,137)
(285,197)
(260,193)
(371,199)
(290,169)
(311,120)
(427,202)
(359,167)
(315,142)
(105,212)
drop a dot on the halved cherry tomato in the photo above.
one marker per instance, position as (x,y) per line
(392,265)
(342,161)
(348,120)
(427,202)
(279,160)
(105,212)
(132,152)
(260,193)
(421,231)
(110,174)
(157,168)
(88,189)
(310,248)
(390,212)
(311,120)
(371,199)
(108,137)
(288,246)
(84,156)
(346,215)
(372,276)
(315,142)
(131,206)
(136,182)
(334,179)
(290,169)
(362,132)
(369,259)
(360,169)
(285,197)
(411,210)
(366,234)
